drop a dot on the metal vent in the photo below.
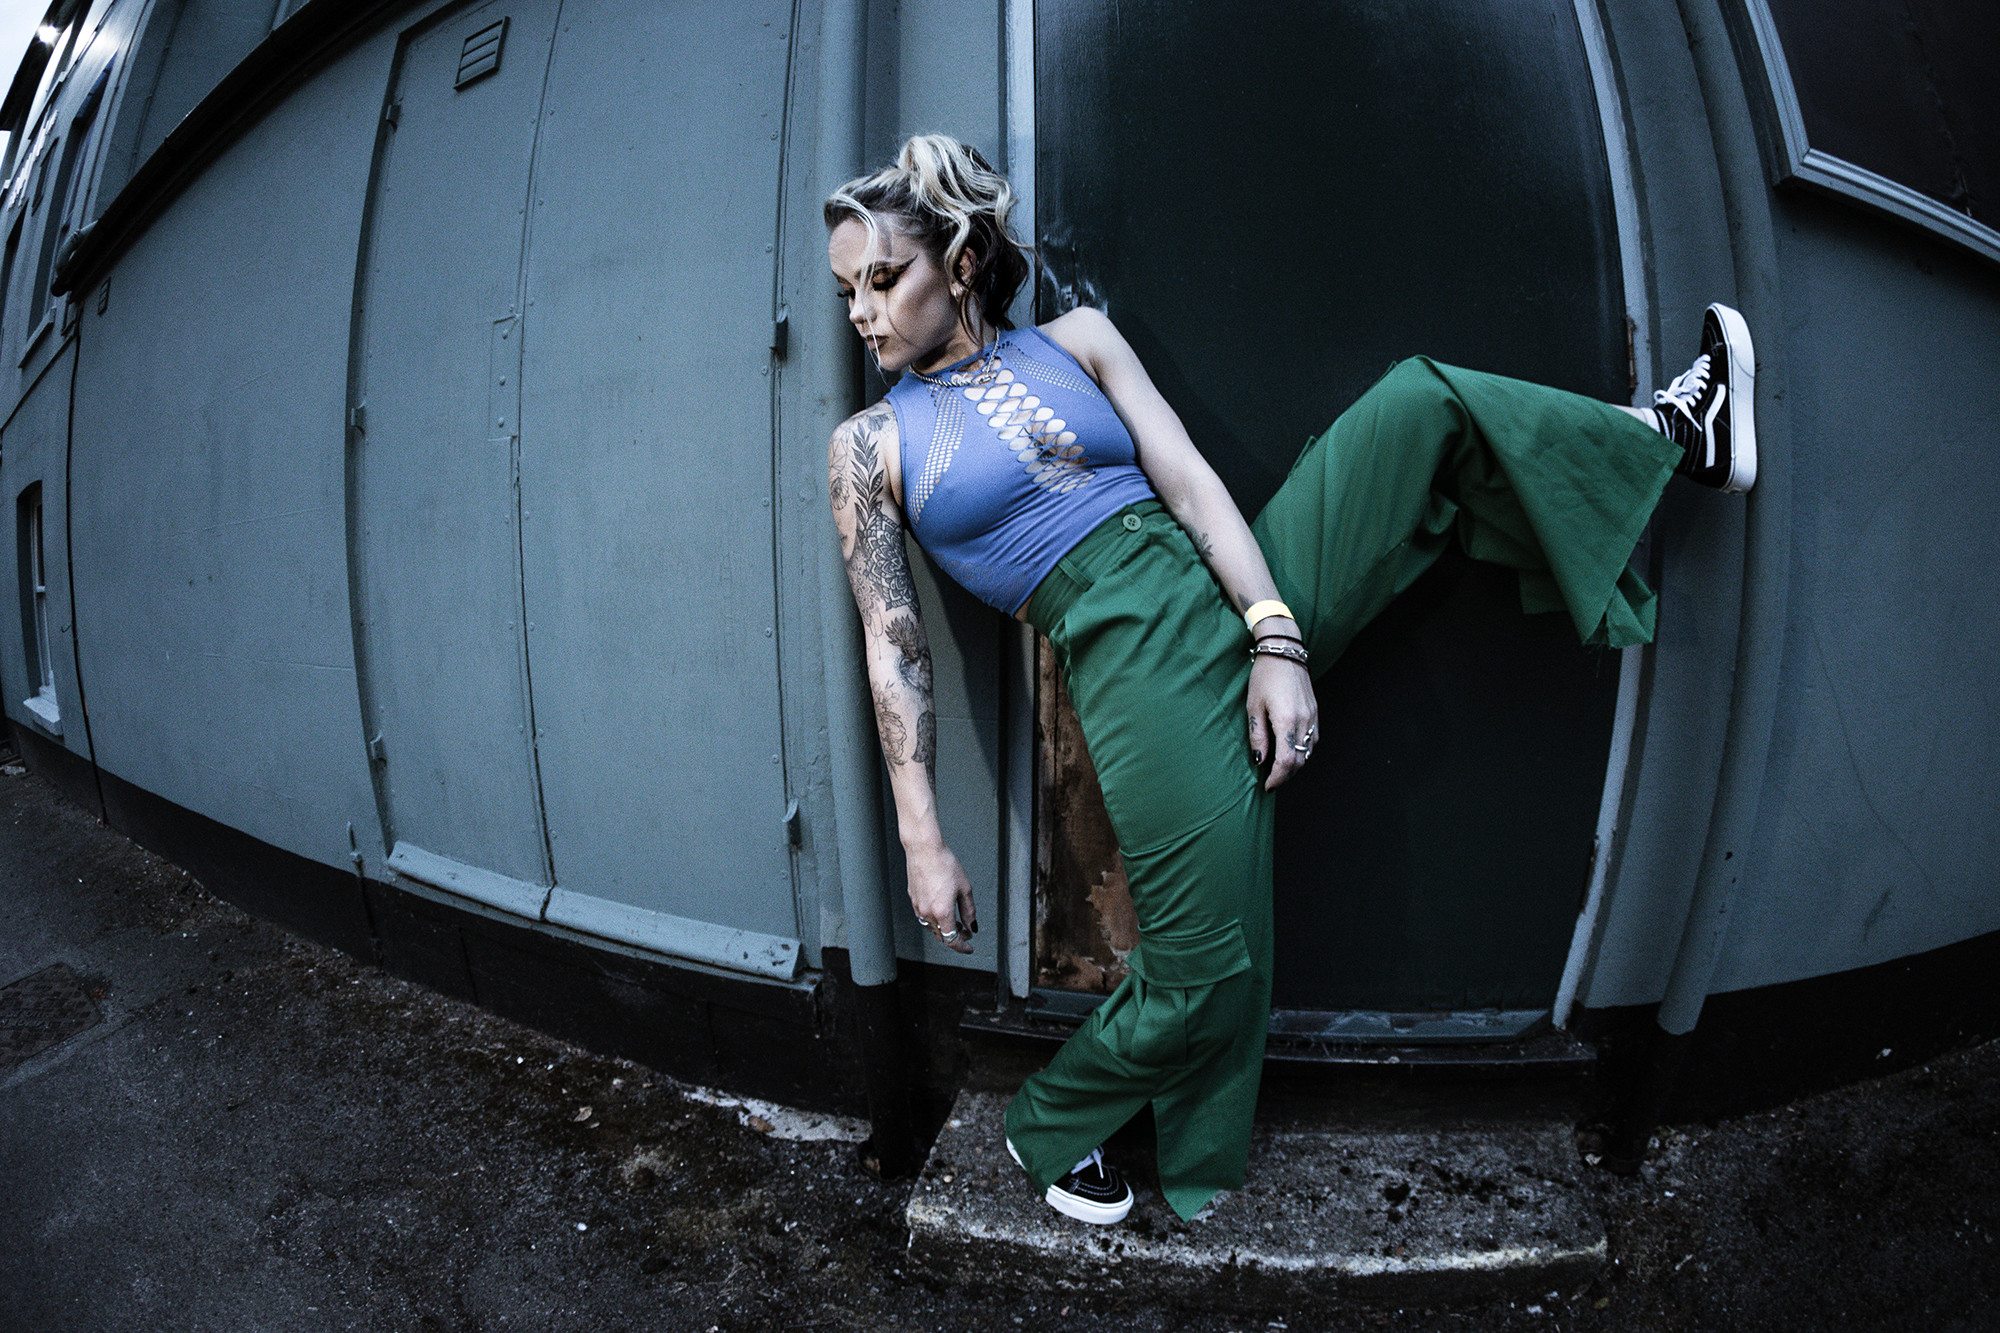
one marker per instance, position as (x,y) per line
(481,54)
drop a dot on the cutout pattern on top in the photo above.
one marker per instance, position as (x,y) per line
(1039,438)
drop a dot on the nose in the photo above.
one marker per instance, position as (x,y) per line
(861,309)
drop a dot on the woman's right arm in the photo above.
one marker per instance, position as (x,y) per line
(899,659)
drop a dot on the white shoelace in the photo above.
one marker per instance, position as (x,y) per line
(1096,1158)
(1687,388)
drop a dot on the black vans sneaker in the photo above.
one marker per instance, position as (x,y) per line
(1091,1191)
(1707,409)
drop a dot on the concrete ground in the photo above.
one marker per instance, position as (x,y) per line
(260,1134)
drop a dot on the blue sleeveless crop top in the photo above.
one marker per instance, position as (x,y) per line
(1002,479)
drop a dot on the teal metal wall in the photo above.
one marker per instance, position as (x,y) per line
(1868,837)
(223,523)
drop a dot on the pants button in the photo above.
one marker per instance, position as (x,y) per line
(1132,523)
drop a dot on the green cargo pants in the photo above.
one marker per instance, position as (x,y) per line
(1548,483)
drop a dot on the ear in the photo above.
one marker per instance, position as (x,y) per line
(966,265)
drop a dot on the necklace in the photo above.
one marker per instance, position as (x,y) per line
(982,371)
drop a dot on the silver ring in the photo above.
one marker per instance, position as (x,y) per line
(949,935)
(1303,749)
(926,922)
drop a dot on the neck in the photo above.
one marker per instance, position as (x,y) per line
(963,343)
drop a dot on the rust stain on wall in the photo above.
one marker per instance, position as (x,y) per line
(1084,922)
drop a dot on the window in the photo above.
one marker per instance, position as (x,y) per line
(7,272)
(56,226)
(41,700)
(1889,102)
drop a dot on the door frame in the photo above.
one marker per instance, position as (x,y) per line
(1019,682)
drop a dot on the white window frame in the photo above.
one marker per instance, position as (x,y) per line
(42,704)
(1799,162)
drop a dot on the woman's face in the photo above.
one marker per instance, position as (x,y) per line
(898,299)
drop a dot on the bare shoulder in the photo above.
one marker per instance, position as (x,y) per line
(863,460)
(1088,334)
(872,430)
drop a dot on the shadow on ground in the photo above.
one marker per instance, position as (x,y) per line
(261,1134)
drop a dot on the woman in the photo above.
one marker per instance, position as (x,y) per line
(1041,469)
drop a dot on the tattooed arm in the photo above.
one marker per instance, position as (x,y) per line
(899,658)
(1283,711)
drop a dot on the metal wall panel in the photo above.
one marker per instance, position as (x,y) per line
(436,543)
(210,545)
(1877,834)
(647,465)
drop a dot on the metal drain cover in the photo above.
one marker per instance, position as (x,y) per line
(40,1010)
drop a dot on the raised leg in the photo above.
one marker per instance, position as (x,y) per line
(1551,484)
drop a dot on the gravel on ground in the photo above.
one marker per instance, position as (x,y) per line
(264,1134)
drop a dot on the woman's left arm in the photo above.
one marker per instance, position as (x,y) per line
(1284,715)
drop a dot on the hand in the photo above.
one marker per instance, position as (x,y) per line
(1284,715)
(941,893)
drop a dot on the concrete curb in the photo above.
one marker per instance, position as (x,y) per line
(1426,1216)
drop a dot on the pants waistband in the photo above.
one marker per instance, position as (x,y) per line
(1104,548)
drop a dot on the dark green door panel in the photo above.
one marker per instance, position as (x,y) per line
(1274,202)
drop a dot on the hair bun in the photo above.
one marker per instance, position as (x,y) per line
(953,203)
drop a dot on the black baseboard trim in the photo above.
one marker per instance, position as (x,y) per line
(791,1044)
(1759,1048)
(68,772)
(1753,1049)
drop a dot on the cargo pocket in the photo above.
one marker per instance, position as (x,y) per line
(1191,996)
(1191,960)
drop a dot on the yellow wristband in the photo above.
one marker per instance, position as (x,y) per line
(1264,611)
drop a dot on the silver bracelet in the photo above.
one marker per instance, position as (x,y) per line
(1290,651)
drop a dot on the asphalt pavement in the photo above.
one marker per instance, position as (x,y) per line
(230,1128)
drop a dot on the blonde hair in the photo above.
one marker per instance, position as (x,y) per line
(951,202)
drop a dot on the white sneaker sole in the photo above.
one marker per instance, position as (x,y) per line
(1083,1210)
(1740,377)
